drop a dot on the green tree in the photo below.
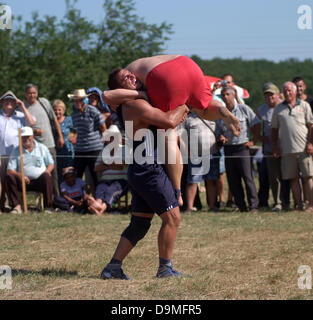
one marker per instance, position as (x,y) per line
(73,52)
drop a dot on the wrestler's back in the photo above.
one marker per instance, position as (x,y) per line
(143,66)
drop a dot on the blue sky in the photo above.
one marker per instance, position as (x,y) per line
(251,29)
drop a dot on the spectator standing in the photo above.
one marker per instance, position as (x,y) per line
(301,87)
(65,154)
(89,123)
(206,148)
(38,165)
(271,166)
(95,99)
(292,125)
(237,154)
(46,122)
(10,121)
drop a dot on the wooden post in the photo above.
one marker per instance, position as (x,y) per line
(22,171)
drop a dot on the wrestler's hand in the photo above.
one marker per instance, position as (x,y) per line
(233,124)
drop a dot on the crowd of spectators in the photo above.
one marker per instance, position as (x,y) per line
(61,150)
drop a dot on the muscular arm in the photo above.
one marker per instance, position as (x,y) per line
(144,112)
(119,96)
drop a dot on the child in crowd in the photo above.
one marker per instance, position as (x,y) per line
(73,192)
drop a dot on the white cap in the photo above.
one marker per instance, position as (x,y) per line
(26,132)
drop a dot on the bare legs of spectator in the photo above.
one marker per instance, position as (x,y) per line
(211,193)
(308,191)
(220,189)
(97,207)
(190,194)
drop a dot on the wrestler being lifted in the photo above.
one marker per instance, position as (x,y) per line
(168,81)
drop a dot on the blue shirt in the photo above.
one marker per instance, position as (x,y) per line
(67,148)
(35,162)
(9,131)
(247,119)
(87,125)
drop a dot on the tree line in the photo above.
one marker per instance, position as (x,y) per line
(60,55)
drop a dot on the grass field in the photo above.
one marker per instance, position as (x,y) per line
(226,255)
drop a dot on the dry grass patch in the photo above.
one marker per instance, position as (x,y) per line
(226,255)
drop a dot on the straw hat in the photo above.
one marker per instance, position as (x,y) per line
(78,94)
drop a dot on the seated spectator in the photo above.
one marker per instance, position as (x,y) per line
(112,183)
(73,192)
(38,165)
(65,154)
(10,121)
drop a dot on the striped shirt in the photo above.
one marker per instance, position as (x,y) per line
(87,125)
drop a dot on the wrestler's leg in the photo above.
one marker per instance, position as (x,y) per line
(216,110)
(125,246)
(174,164)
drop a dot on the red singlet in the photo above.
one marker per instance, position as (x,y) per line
(177,82)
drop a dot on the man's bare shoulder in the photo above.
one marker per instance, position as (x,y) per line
(134,108)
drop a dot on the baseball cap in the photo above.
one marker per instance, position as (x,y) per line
(270,87)
(26,132)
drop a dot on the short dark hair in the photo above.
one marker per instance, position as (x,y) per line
(30,85)
(113,82)
(227,74)
(228,89)
(297,79)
